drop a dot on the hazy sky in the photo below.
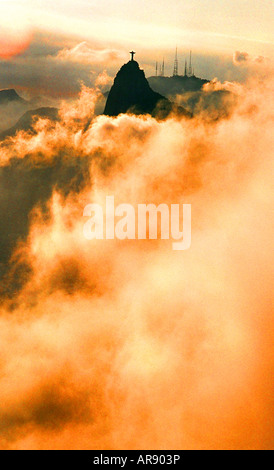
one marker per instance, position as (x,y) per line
(203,24)
(43,41)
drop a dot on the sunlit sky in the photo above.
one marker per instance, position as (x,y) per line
(202,24)
(78,39)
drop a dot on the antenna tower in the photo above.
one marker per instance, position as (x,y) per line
(175,71)
(190,65)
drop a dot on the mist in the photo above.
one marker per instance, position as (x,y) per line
(129,345)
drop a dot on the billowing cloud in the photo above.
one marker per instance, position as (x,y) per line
(104,341)
(103,80)
(214,101)
(216,85)
(243,58)
(84,54)
(260,59)
(240,57)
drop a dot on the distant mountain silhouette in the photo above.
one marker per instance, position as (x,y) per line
(8,96)
(27,121)
(131,93)
(171,86)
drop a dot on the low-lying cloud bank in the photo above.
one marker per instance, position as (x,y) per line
(110,344)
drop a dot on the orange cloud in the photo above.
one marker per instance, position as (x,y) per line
(243,58)
(85,54)
(128,345)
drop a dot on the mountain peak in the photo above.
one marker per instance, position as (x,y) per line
(131,92)
(6,96)
(27,121)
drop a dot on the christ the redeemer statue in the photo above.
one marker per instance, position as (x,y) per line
(132,55)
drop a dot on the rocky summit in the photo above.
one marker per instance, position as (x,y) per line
(8,96)
(131,93)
